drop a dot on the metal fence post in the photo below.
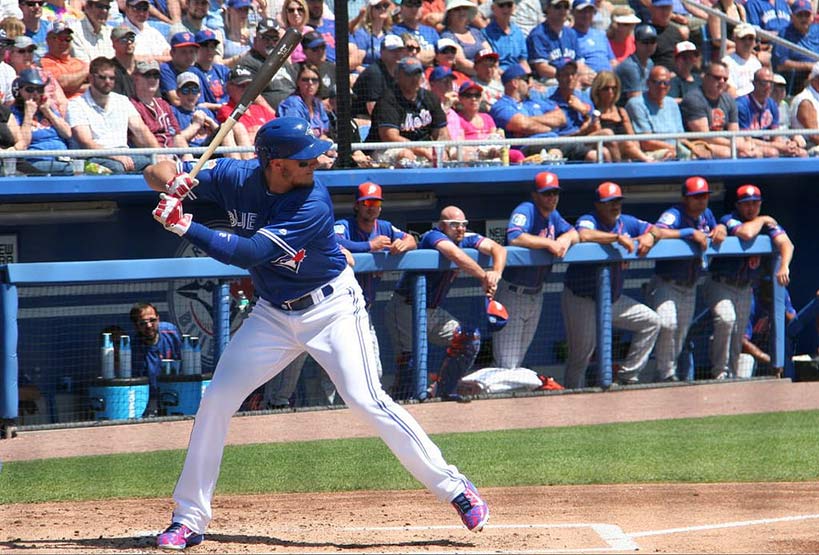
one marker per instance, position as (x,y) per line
(419,345)
(221,319)
(778,321)
(604,353)
(9,397)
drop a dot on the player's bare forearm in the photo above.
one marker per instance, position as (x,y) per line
(597,236)
(157,175)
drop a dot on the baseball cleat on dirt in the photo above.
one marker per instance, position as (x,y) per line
(473,510)
(177,537)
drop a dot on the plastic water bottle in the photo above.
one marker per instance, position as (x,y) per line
(125,357)
(107,357)
(243,303)
(196,355)
(187,356)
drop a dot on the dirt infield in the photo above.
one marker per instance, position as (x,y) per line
(663,518)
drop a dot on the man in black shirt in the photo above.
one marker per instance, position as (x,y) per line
(378,77)
(268,32)
(407,112)
(669,34)
(123,39)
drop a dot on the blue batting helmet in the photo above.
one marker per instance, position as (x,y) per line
(289,138)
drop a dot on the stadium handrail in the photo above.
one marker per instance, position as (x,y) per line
(22,274)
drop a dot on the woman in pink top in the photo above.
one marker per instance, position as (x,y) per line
(475,124)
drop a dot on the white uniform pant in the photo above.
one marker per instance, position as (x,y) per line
(510,344)
(336,333)
(441,325)
(580,319)
(674,304)
(731,306)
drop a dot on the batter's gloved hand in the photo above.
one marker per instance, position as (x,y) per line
(169,213)
(181,185)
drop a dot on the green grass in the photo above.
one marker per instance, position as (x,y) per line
(748,448)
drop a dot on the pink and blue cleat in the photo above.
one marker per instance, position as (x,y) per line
(472,509)
(177,537)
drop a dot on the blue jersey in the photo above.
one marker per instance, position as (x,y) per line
(753,115)
(511,47)
(581,279)
(184,117)
(526,218)
(740,270)
(147,359)
(595,50)
(167,78)
(574,119)
(426,36)
(506,107)
(299,223)
(355,239)
(438,283)
(680,271)
(544,45)
(213,82)
(765,16)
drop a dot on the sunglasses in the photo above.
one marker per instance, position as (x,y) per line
(549,193)
(505,5)
(609,88)
(456,224)
(64,38)
(193,89)
(127,40)
(141,7)
(309,79)
(473,96)
(720,78)
(764,81)
(660,83)
(448,50)
(105,77)
(413,48)
(381,7)
(295,10)
(648,41)
(147,321)
(371,202)
(34,4)
(32,90)
(26,50)
(151,75)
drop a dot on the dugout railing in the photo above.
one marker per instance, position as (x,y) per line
(22,277)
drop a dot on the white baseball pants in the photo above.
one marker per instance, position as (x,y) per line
(336,333)
(580,319)
(674,305)
(510,344)
(731,306)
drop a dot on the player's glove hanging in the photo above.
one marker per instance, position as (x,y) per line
(181,185)
(169,213)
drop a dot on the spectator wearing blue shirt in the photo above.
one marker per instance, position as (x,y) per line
(197,126)
(156,340)
(369,31)
(769,15)
(607,225)
(325,27)
(581,118)
(505,37)
(426,36)
(655,112)
(593,44)
(469,40)
(757,110)
(515,117)
(183,53)
(552,40)
(305,103)
(757,338)
(728,292)
(213,76)
(633,71)
(802,32)
(37,27)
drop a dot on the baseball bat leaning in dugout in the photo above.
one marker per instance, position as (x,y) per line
(271,65)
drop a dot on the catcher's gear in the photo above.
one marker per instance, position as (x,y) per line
(181,185)
(169,213)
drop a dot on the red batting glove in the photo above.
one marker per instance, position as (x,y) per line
(169,213)
(181,185)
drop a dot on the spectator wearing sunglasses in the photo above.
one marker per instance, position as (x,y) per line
(70,72)
(268,32)
(593,45)
(155,340)
(315,54)
(487,76)
(552,41)
(155,111)
(654,111)
(686,69)
(305,104)
(803,32)
(197,125)
(184,50)
(505,37)
(212,74)
(633,71)
(20,57)
(92,35)
(150,44)
(378,77)
(369,29)
(256,115)
(7,72)
(41,125)
(446,53)
(123,39)
(669,34)
(36,25)
(410,22)
(742,62)
(458,27)
(193,21)
(364,232)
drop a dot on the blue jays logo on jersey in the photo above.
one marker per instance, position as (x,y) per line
(291,261)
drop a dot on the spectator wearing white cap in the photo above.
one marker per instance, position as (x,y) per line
(742,62)
(487,75)
(732,9)
(197,125)
(687,76)
(20,57)
(378,77)
(150,44)
(92,36)
(757,110)
(427,37)
(593,45)
(505,37)
(805,107)
(446,53)
(779,94)
(468,39)
(184,50)
(552,41)
(70,72)
(621,32)
(803,32)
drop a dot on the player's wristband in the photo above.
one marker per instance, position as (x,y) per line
(686,233)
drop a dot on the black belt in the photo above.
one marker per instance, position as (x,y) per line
(731,281)
(677,282)
(524,290)
(306,301)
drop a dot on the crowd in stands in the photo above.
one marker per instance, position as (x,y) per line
(420,70)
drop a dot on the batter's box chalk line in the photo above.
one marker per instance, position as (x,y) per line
(610,534)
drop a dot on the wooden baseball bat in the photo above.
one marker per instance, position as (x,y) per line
(271,65)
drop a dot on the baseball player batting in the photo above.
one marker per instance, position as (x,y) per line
(309,301)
